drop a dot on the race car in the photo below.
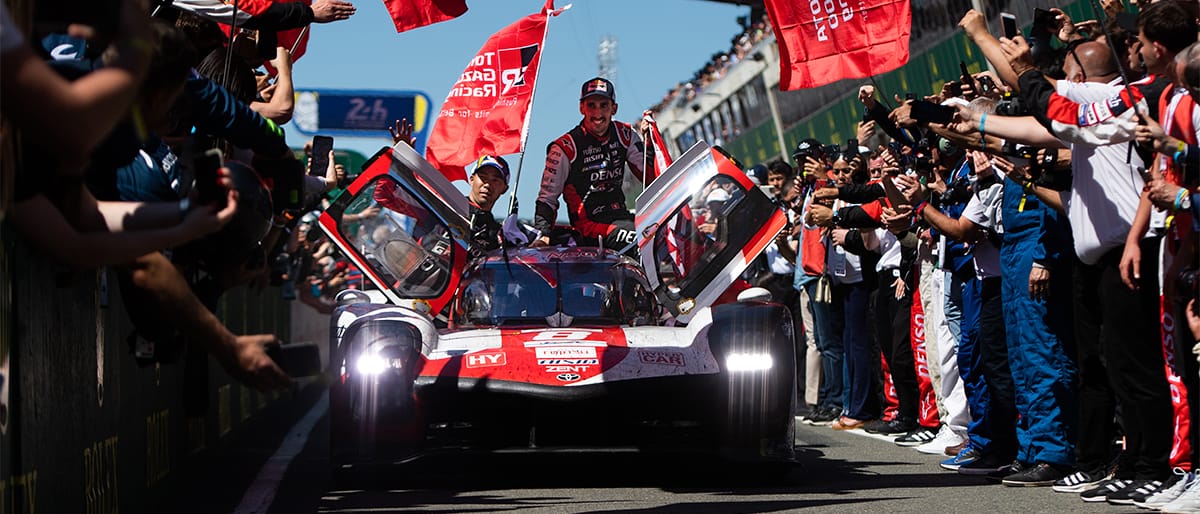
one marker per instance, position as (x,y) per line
(560,347)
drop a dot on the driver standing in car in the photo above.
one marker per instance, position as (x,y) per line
(488,181)
(586,167)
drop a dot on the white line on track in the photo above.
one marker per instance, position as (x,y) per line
(261,493)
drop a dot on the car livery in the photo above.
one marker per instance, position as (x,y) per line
(556,347)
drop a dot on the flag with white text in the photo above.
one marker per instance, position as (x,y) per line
(823,41)
(486,110)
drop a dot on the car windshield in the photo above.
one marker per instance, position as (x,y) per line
(500,293)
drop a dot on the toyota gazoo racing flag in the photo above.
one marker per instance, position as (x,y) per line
(486,110)
(410,14)
(823,41)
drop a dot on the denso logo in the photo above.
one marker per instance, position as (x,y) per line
(666,358)
(551,362)
(565,351)
(480,360)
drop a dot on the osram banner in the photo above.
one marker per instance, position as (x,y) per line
(823,41)
(486,110)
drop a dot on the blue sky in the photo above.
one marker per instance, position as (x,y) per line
(660,43)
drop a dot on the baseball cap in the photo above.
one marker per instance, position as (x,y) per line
(598,86)
(717,195)
(494,161)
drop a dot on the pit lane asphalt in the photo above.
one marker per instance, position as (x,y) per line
(837,472)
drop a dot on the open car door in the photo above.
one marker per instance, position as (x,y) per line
(692,249)
(405,226)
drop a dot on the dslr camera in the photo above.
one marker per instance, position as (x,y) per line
(1010,105)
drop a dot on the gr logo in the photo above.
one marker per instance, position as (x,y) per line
(513,63)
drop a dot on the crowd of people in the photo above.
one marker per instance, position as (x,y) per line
(149,142)
(682,93)
(1036,226)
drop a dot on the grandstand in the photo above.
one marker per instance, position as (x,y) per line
(742,109)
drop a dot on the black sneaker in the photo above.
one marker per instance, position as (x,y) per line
(1135,491)
(1103,489)
(985,466)
(1039,475)
(895,426)
(1078,481)
(824,416)
(917,437)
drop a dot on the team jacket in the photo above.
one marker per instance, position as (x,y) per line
(485,231)
(1094,124)
(587,172)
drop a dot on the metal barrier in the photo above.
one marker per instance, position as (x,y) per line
(83,427)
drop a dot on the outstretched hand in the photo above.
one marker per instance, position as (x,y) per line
(403,131)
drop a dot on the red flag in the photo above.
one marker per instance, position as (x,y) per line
(295,40)
(485,112)
(410,14)
(820,42)
(662,157)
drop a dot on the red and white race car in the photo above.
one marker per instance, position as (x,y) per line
(557,347)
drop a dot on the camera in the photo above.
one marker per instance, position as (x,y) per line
(1010,105)
(986,85)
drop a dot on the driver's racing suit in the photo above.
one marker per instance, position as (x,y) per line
(587,172)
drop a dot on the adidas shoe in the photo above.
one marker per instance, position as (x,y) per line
(1039,475)
(916,437)
(945,437)
(1177,485)
(895,426)
(966,456)
(1103,489)
(1136,490)
(1078,482)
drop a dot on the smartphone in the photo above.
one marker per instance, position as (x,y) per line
(1044,18)
(207,169)
(1009,23)
(966,77)
(319,162)
(929,112)
(297,360)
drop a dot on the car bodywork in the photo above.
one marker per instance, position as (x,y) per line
(556,347)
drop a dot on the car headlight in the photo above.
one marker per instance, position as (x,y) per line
(371,364)
(748,361)
(374,364)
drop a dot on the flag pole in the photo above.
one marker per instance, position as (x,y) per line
(512,197)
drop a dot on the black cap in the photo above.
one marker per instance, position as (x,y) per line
(808,146)
(598,86)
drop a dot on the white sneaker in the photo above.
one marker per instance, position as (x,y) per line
(1187,502)
(1165,496)
(945,437)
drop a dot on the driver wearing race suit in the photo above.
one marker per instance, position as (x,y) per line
(586,167)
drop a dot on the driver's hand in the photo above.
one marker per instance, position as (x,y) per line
(539,242)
